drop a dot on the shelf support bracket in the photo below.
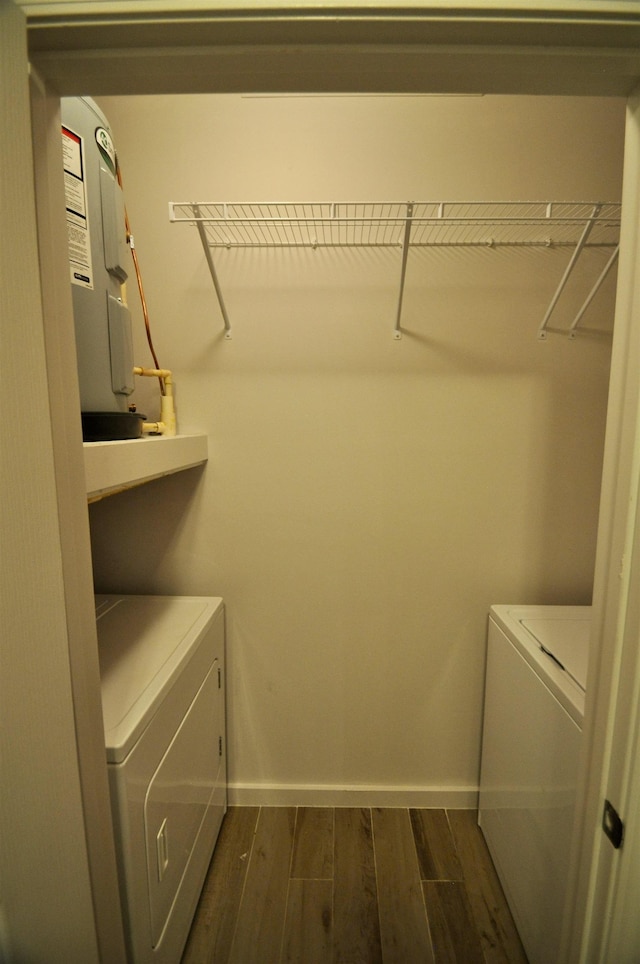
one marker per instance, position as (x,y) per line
(594,291)
(212,269)
(406,239)
(542,330)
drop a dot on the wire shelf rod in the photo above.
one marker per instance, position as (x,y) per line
(603,274)
(214,278)
(406,240)
(572,263)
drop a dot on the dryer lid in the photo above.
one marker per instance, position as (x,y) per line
(566,639)
(143,643)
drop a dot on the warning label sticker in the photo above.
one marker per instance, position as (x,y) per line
(77,213)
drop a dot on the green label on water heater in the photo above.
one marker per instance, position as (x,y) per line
(108,151)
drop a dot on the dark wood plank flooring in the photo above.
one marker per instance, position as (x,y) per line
(315,885)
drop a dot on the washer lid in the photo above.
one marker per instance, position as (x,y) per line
(566,640)
(144,641)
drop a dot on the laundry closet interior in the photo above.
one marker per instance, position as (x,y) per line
(371,489)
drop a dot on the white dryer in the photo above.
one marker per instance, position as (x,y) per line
(162,671)
(537,660)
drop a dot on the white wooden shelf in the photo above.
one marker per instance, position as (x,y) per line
(111,467)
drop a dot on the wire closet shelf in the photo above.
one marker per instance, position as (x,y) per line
(404,225)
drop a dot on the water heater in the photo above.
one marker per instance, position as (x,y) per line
(98,254)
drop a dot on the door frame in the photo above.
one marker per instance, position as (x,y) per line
(59,899)
(501,48)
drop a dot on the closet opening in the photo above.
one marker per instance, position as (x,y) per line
(369,497)
(431,428)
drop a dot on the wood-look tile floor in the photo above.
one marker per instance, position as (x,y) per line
(352,886)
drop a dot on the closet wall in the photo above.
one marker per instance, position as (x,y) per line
(366,499)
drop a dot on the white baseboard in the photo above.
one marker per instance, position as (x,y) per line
(287,795)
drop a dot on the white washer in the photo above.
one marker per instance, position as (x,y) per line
(534,706)
(162,671)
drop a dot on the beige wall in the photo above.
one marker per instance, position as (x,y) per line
(366,499)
